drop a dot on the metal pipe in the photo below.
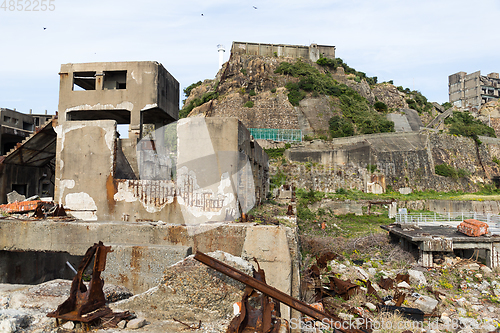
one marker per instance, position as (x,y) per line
(266,289)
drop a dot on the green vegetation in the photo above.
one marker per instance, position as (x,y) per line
(243,71)
(197,102)
(276,181)
(276,153)
(496,160)
(273,90)
(248,104)
(187,91)
(449,171)
(252,93)
(463,123)
(340,127)
(358,116)
(337,62)
(446,105)
(416,100)
(380,106)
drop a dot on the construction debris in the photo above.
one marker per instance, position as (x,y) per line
(84,304)
(267,319)
(473,228)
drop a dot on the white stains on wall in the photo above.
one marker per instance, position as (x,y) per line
(63,184)
(149,106)
(121,106)
(124,194)
(80,201)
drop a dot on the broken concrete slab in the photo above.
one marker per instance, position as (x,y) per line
(426,304)
(417,277)
(14,196)
(191,291)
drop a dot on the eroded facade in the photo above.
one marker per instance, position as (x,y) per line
(190,171)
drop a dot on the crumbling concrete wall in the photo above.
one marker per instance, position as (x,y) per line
(405,159)
(219,172)
(146,94)
(85,166)
(143,251)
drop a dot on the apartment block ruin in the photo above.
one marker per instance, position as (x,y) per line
(473,90)
(312,52)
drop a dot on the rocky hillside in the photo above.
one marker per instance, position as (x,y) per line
(262,93)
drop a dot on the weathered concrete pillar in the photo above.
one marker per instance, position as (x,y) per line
(426,259)
(493,256)
(269,245)
(393,209)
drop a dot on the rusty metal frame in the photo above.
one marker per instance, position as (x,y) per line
(86,305)
(271,291)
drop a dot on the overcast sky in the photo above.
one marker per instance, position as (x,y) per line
(415,43)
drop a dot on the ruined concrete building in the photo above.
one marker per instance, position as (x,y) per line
(26,173)
(170,189)
(191,171)
(473,90)
(312,52)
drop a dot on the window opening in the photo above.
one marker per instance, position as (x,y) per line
(84,81)
(115,80)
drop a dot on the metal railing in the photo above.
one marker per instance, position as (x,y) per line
(275,134)
(420,218)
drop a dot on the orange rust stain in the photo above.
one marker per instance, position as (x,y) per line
(110,192)
(176,235)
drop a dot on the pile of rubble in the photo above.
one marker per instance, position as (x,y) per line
(459,295)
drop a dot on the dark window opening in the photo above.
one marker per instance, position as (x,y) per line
(37,121)
(27,126)
(84,81)
(115,80)
(6,119)
(20,188)
(8,147)
(46,188)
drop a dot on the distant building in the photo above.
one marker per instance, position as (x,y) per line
(28,171)
(14,127)
(312,52)
(473,90)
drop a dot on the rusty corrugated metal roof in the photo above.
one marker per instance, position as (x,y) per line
(37,150)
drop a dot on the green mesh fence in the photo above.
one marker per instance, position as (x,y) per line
(277,134)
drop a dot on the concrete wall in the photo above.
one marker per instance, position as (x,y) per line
(219,172)
(452,206)
(148,93)
(312,52)
(143,251)
(405,159)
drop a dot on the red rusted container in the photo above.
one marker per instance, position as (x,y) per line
(473,228)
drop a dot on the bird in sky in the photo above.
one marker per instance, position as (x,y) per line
(254,7)
(201,14)
(44,28)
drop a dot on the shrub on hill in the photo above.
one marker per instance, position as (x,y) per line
(358,116)
(463,123)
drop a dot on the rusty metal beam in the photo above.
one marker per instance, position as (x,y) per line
(268,290)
